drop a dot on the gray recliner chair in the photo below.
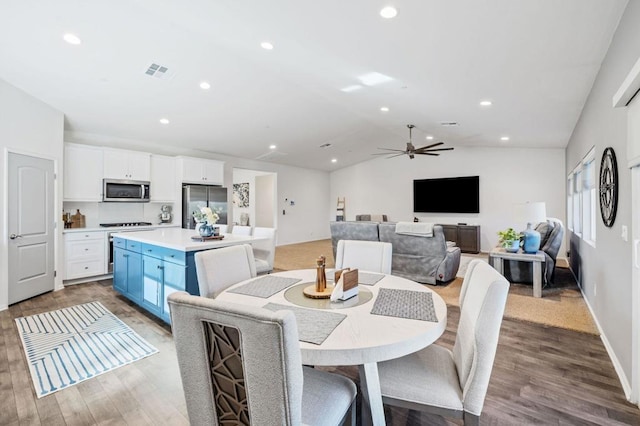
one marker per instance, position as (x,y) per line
(551,234)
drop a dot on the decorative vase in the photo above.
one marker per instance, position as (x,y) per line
(512,246)
(205,230)
(531,240)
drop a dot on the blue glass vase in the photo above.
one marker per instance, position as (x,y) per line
(531,240)
(205,230)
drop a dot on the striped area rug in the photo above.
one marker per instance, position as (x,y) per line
(70,345)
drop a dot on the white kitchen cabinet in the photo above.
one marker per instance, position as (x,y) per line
(124,164)
(85,254)
(163,179)
(196,170)
(82,173)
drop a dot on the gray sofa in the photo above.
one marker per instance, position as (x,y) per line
(422,259)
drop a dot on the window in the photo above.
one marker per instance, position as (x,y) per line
(589,198)
(577,205)
(582,199)
(570,202)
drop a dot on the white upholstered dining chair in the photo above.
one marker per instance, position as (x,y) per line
(454,383)
(222,227)
(373,256)
(241,365)
(241,230)
(264,251)
(217,269)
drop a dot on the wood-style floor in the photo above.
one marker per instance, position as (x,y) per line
(542,375)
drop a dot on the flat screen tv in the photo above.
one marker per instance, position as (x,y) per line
(447,195)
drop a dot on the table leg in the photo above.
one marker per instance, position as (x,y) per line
(537,279)
(372,408)
(498,265)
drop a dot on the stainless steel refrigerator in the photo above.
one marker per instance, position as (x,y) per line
(196,196)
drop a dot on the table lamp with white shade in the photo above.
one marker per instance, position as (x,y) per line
(531,214)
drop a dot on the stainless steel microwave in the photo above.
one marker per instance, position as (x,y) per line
(125,191)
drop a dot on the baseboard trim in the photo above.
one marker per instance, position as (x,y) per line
(624,381)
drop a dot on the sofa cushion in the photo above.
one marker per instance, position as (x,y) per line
(544,228)
(363,231)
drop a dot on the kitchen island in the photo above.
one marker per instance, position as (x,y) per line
(150,265)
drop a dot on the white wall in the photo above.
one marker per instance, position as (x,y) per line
(605,270)
(28,126)
(508,176)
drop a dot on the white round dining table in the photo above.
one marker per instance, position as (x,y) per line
(362,338)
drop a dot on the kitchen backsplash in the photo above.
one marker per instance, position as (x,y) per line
(97,213)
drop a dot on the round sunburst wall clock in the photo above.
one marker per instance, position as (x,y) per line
(608,187)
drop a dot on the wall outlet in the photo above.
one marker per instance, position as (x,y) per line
(625,233)
(595,289)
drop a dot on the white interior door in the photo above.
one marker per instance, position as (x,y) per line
(31,226)
(265,201)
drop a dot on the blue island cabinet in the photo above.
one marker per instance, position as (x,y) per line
(148,274)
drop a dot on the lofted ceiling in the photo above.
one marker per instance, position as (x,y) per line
(535,60)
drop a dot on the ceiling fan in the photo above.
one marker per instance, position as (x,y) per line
(412,151)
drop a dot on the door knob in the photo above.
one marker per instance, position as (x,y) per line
(14,236)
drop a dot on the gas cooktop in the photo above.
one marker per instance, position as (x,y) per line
(121,224)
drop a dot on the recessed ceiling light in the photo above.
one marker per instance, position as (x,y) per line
(272,147)
(486,103)
(384,109)
(374,78)
(205,85)
(352,88)
(388,12)
(504,138)
(429,138)
(164,121)
(72,39)
(266,45)
(334,160)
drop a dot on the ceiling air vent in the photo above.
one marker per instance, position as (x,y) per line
(159,71)
(449,124)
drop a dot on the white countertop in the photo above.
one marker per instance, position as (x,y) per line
(120,228)
(180,239)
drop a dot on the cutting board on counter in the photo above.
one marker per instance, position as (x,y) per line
(78,220)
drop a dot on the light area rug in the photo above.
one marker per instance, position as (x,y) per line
(70,345)
(559,307)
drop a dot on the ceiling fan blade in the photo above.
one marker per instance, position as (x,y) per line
(390,149)
(434,149)
(429,146)
(396,155)
(426,153)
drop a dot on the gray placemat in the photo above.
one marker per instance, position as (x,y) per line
(368,278)
(265,286)
(313,326)
(408,304)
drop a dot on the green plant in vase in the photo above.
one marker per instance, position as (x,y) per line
(510,239)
